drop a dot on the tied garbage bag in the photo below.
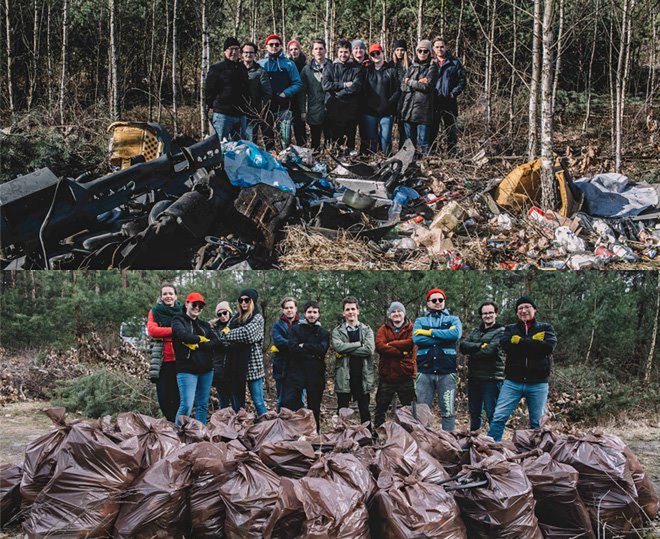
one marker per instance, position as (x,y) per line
(156,438)
(10,492)
(345,469)
(84,495)
(605,484)
(503,508)
(247,165)
(274,427)
(226,424)
(343,429)
(477,447)
(559,508)
(192,431)
(542,438)
(249,490)
(288,458)
(407,508)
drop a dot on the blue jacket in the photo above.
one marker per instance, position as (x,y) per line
(451,78)
(280,337)
(437,354)
(284,78)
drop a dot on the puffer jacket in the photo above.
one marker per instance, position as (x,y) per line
(417,100)
(529,361)
(161,350)
(381,91)
(342,103)
(345,349)
(220,352)
(397,353)
(187,330)
(485,363)
(437,354)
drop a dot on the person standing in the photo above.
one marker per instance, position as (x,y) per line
(360,56)
(285,83)
(192,340)
(342,83)
(162,370)
(401,64)
(300,60)
(245,337)
(397,367)
(380,96)
(353,343)
(260,93)
(416,106)
(436,335)
(312,96)
(450,84)
(227,91)
(308,345)
(279,334)
(528,345)
(220,353)
(485,365)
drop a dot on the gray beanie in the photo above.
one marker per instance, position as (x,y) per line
(425,44)
(358,43)
(396,306)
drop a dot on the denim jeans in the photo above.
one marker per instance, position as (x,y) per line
(194,389)
(444,385)
(257,393)
(377,131)
(536,396)
(482,396)
(420,135)
(229,127)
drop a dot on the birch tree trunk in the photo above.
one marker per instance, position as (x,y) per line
(620,83)
(237,16)
(203,117)
(283,25)
(488,79)
(272,11)
(65,43)
(371,19)
(326,26)
(10,60)
(151,57)
(547,160)
(514,53)
(162,65)
(114,91)
(420,18)
(611,79)
(49,58)
(460,28)
(254,21)
(560,35)
(587,112)
(383,24)
(648,368)
(534,85)
(650,81)
(35,54)
(174,66)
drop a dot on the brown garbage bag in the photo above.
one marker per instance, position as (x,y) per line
(250,491)
(504,507)
(226,425)
(158,500)
(560,510)
(439,444)
(327,509)
(288,458)
(343,428)
(400,453)
(481,446)
(156,438)
(528,439)
(192,431)
(345,469)
(83,497)
(10,492)
(364,453)
(406,507)
(605,484)
(41,457)
(274,427)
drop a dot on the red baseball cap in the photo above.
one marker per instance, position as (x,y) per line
(273,36)
(375,47)
(195,296)
(435,291)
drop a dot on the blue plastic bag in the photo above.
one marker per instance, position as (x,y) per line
(246,165)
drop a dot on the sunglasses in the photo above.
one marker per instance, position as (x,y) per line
(198,305)
(222,313)
(375,53)
(274,45)
(437,300)
(422,51)
(244,300)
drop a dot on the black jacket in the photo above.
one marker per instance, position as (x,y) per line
(451,78)
(381,91)
(417,101)
(187,330)
(260,90)
(342,104)
(529,360)
(227,88)
(315,341)
(486,362)
(220,352)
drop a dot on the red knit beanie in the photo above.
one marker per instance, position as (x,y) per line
(272,36)
(435,291)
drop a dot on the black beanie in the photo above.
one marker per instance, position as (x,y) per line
(250,293)
(525,299)
(231,42)
(399,43)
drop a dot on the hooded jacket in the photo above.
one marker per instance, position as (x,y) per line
(417,97)
(259,88)
(284,78)
(381,91)
(312,96)
(397,353)
(342,104)
(530,360)
(186,330)
(486,363)
(451,77)
(279,335)
(437,354)
(227,88)
(345,350)
(315,341)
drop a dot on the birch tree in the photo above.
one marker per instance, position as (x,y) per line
(203,72)
(10,86)
(547,159)
(65,35)
(114,91)
(587,112)
(622,79)
(420,18)
(560,43)
(532,143)
(174,65)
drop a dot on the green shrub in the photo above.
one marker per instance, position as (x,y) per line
(107,393)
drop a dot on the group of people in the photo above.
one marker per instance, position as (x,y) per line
(417,359)
(360,90)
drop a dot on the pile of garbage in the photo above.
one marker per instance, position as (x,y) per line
(214,205)
(274,477)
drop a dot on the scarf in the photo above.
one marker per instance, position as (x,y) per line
(163,314)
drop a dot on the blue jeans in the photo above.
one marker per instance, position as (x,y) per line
(444,385)
(482,395)
(229,127)
(194,389)
(536,396)
(369,129)
(419,134)
(257,393)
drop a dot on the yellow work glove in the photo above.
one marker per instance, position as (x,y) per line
(338,355)
(425,332)
(191,346)
(484,345)
(274,349)
(539,336)
(452,327)
(406,354)
(225,330)
(515,339)
(203,339)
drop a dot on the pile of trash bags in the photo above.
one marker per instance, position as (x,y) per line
(274,477)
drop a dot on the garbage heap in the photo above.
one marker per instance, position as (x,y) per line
(274,477)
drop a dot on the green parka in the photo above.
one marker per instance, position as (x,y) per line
(344,350)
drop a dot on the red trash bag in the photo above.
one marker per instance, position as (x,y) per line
(345,469)
(274,427)
(407,508)
(10,492)
(226,425)
(156,438)
(288,458)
